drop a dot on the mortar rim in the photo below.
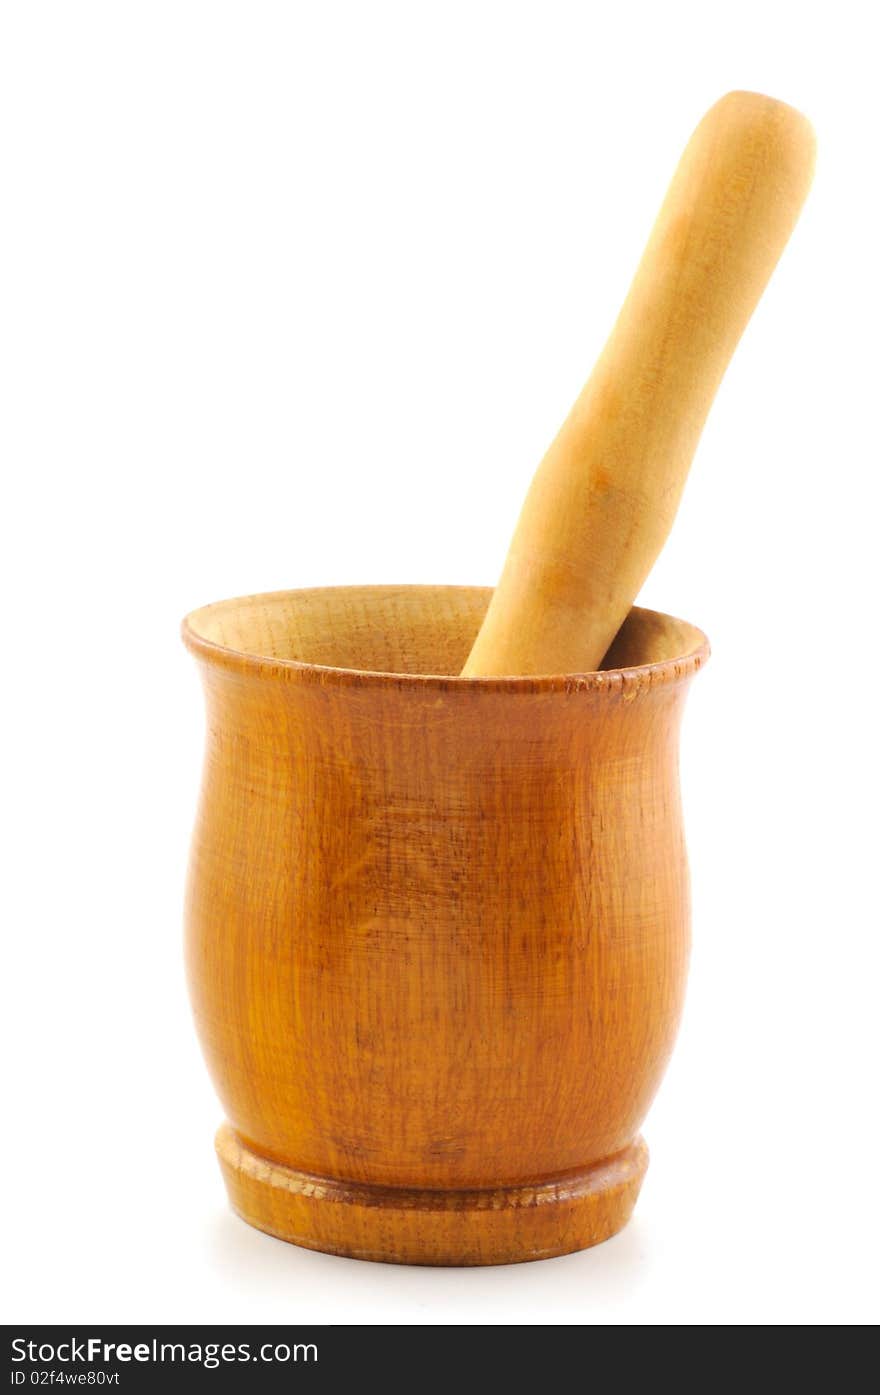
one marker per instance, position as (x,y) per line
(677,669)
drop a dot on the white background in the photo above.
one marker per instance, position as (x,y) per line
(297,294)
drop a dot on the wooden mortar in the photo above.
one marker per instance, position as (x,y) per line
(437,927)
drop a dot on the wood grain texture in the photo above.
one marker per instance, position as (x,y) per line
(604,497)
(437,928)
(488,1225)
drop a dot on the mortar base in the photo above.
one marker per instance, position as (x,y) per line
(397,1225)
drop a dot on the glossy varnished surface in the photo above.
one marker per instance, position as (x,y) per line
(437,927)
(467,1226)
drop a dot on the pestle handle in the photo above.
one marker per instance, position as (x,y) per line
(605,495)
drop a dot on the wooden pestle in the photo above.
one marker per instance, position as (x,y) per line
(604,496)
